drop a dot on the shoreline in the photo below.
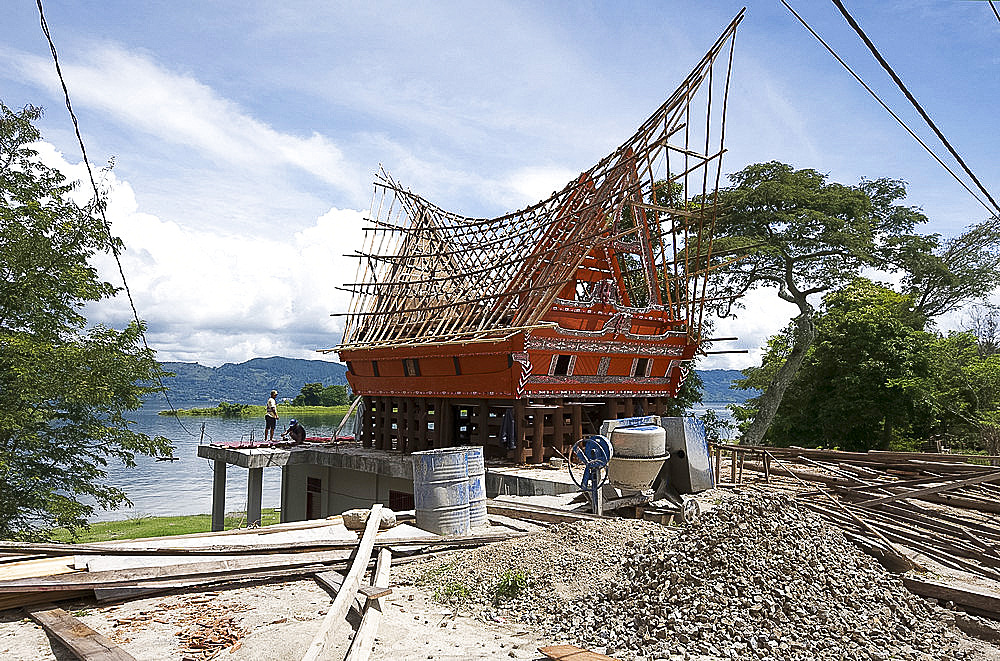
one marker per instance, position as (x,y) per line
(227,410)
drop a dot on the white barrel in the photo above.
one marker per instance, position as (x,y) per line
(441,491)
(476,467)
(639,442)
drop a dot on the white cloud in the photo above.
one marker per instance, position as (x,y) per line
(177,108)
(534,183)
(763,315)
(213,296)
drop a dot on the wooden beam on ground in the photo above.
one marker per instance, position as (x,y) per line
(536,512)
(345,596)
(992,476)
(85,643)
(333,581)
(364,639)
(137,576)
(981,600)
(573,653)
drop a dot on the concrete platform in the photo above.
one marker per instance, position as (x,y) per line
(361,475)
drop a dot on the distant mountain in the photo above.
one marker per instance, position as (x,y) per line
(717,387)
(249,382)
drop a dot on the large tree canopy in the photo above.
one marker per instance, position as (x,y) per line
(875,377)
(849,390)
(795,231)
(65,388)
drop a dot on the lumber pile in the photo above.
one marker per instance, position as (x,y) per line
(34,576)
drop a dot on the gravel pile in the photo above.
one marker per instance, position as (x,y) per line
(758,578)
(540,572)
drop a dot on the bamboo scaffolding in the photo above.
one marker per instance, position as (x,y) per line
(426,275)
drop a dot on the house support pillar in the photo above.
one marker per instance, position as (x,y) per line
(219,495)
(255,488)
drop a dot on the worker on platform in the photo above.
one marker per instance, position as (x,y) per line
(271,416)
(295,432)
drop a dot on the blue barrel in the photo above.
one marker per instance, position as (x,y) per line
(477,486)
(441,491)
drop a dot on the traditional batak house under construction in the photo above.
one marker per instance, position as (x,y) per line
(522,333)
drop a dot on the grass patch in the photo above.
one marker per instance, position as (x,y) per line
(445,590)
(156,526)
(285,411)
(452,591)
(512,584)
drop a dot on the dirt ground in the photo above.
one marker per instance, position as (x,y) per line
(270,623)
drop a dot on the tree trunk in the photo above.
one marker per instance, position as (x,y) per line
(886,434)
(770,399)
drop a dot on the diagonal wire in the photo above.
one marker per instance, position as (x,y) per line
(994,8)
(913,100)
(100,207)
(887,108)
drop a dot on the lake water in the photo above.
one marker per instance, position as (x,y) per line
(184,486)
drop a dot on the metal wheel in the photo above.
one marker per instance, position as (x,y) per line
(593,454)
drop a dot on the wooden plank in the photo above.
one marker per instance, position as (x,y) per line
(536,512)
(573,653)
(85,643)
(345,596)
(136,576)
(364,639)
(978,598)
(917,493)
(333,581)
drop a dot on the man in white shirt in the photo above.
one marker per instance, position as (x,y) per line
(271,416)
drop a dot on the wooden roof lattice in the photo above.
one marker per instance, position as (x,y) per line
(645,211)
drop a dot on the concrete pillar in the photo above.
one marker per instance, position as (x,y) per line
(219,496)
(284,495)
(255,489)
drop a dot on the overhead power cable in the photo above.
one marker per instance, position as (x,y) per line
(889,110)
(100,207)
(913,100)
(994,8)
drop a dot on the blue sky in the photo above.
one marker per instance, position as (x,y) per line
(245,135)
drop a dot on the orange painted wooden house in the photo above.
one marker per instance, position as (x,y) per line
(522,333)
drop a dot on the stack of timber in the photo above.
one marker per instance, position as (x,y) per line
(910,510)
(34,573)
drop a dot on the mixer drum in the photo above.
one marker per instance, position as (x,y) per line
(639,442)
(639,453)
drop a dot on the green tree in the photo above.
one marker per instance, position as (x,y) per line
(334,396)
(943,276)
(850,390)
(795,231)
(65,388)
(961,394)
(309,395)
